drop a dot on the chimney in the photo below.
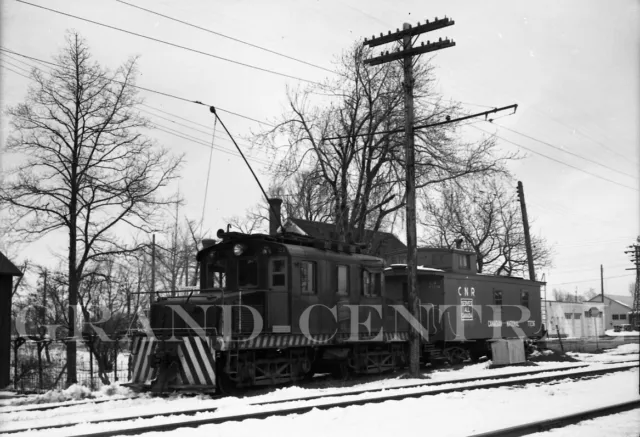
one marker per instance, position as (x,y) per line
(274,215)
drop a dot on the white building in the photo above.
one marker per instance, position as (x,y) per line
(616,309)
(573,319)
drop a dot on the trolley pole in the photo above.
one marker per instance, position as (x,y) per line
(406,54)
(527,237)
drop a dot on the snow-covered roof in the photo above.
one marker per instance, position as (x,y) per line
(421,268)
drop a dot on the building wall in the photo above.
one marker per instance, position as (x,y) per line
(5,329)
(617,314)
(574,319)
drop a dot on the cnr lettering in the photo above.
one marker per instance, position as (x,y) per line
(466,291)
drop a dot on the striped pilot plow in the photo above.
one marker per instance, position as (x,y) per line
(277,341)
(196,363)
(141,349)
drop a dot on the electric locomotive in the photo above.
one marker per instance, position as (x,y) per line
(280,307)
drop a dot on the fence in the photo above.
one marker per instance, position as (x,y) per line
(41,365)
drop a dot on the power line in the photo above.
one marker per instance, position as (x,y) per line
(265,70)
(589,280)
(14,71)
(557,160)
(424,126)
(229,37)
(173,96)
(565,151)
(200,142)
(583,134)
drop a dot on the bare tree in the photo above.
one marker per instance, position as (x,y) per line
(88,171)
(335,137)
(488,219)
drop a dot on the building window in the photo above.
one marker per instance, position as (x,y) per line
(278,273)
(370,283)
(614,317)
(342,277)
(568,316)
(623,317)
(247,272)
(524,298)
(577,315)
(308,277)
(497,297)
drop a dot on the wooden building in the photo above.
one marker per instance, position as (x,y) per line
(7,271)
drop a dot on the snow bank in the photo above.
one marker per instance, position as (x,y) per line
(627,348)
(75,392)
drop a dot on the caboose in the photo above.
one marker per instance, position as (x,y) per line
(461,310)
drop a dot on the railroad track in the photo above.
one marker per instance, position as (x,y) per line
(560,421)
(392,395)
(69,404)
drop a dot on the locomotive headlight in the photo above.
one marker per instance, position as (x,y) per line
(239,249)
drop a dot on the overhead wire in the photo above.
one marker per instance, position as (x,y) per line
(173,96)
(594,279)
(265,70)
(585,135)
(565,151)
(229,37)
(14,71)
(556,160)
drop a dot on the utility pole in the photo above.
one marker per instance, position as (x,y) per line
(602,283)
(406,54)
(634,252)
(153,264)
(527,237)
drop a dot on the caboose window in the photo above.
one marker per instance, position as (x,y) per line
(370,283)
(343,280)
(307,277)
(524,298)
(278,273)
(463,261)
(497,297)
(247,272)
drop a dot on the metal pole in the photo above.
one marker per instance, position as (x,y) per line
(602,283)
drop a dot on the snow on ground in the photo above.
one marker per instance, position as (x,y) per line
(612,333)
(119,408)
(226,407)
(624,352)
(625,424)
(453,414)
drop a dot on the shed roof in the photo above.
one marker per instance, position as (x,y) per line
(7,268)
(623,300)
(381,242)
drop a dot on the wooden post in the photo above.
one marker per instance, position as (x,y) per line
(559,338)
(410,168)
(527,237)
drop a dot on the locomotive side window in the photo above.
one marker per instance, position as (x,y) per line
(497,297)
(524,298)
(343,280)
(216,274)
(278,273)
(247,272)
(307,277)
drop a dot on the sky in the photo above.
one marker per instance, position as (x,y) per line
(571,66)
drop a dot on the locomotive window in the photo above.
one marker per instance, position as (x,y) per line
(497,297)
(278,273)
(307,277)
(524,298)
(343,280)
(216,274)
(247,272)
